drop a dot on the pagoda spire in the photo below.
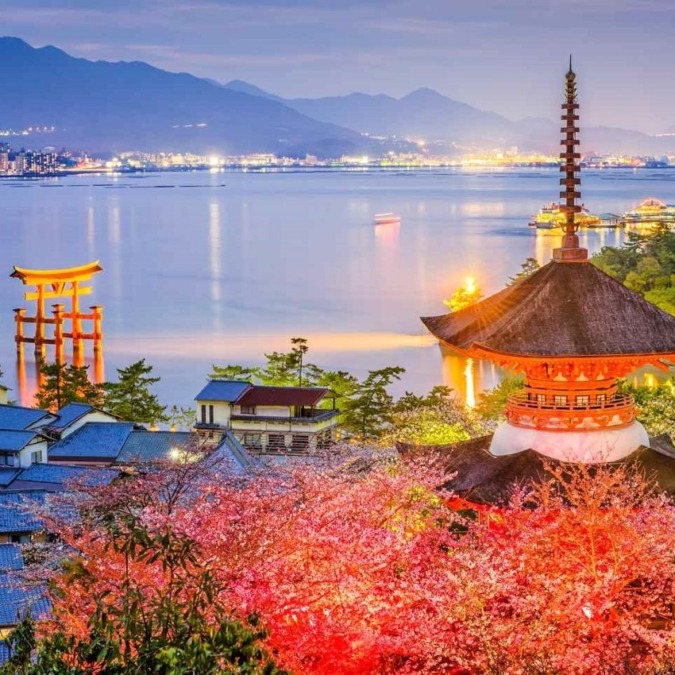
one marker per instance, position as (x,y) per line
(570,250)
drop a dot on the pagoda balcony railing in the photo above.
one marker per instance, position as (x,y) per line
(617,411)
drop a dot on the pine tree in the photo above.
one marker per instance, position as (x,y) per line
(130,397)
(63,384)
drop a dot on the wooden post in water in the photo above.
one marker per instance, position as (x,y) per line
(58,332)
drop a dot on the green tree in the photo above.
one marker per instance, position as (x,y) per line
(130,397)
(288,369)
(180,629)
(235,372)
(438,418)
(528,267)
(21,646)
(467,295)
(656,406)
(182,418)
(368,413)
(62,384)
(492,403)
(646,265)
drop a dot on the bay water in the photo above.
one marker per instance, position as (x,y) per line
(203,268)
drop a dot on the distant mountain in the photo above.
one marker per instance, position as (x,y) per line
(428,115)
(124,106)
(423,114)
(252,90)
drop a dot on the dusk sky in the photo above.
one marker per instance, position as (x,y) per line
(508,56)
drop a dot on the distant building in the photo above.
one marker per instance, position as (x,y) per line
(268,419)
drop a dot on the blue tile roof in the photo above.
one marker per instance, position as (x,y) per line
(10,557)
(69,413)
(13,440)
(54,473)
(4,652)
(222,390)
(16,417)
(15,516)
(8,474)
(94,440)
(153,446)
(18,600)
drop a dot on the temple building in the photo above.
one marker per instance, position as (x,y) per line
(572,331)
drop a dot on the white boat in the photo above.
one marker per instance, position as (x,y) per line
(650,211)
(552,217)
(386,219)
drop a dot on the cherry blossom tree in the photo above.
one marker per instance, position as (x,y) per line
(358,564)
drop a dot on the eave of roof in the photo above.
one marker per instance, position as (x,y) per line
(561,310)
(281,396)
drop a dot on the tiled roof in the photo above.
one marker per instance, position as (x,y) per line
(17,601)
(282,396)
(4,652)
(561,310)
(56,474)
(10,557)
(17,417)
(69,413)
(222,390)
(152,446)
(235,456)
(13,440)
(8,474)
(94,440)
(14,512)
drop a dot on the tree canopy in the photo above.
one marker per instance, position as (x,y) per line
(130,397)
(62,384)
(361,566)
(646,265)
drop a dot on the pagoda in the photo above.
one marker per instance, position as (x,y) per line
(572,331)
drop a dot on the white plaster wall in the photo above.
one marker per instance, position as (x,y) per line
(93,416)
(221,412)
(25,454)
(585,447)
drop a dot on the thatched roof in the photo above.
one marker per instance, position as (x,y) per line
(562,309)
(483,478)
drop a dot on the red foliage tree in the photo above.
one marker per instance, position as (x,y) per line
(364,568)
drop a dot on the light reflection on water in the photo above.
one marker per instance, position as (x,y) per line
(223,267)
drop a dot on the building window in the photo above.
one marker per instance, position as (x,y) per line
(601,399)
(210,414)
(300,442)
(276,442)
(203,414)
(541,398)
(36,457)
(560,400)
(252,441)
(248,410)
(583,400)
(7,460)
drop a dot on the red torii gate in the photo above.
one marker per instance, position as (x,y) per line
(58,283)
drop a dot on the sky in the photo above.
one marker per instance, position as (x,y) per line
(507,56)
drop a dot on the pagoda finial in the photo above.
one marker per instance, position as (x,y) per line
(570,251)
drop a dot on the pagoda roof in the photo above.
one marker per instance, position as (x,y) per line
(480,477)
(561,310)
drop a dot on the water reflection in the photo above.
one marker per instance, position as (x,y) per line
(29,377)
(468,377)
(215,253)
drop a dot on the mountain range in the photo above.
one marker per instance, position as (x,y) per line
(134,106)
(100,105)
